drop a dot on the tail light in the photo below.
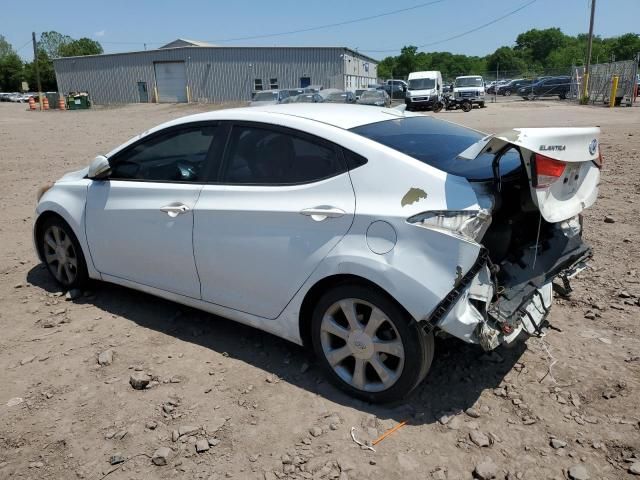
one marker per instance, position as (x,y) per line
(600,161)
(548,170)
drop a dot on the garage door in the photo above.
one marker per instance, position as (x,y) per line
(171,80)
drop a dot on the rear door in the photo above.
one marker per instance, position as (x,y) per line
(563,165)
(283,200)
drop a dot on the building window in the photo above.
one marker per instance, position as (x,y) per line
(257,84)
(273,83)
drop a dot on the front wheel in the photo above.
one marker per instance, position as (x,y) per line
(466,106)
(368,345)
(437,107)
(62,253)
(481,104)
(531,96)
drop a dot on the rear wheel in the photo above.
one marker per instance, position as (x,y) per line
(466,106)
(368,345)
(531,96)
(507,93)
(437,107)
(62,253)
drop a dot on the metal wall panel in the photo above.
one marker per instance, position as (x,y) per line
(214,74)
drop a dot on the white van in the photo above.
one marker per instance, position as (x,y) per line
(424,89)
(470,87)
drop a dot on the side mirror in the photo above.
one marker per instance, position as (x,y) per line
(99,168)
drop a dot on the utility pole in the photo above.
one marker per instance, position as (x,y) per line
(35,63)
(589,45)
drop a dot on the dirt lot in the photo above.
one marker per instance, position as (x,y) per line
(572,399)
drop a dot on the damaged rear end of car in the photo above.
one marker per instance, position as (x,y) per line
(528,230)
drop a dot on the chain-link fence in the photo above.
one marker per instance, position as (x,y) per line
(600,82)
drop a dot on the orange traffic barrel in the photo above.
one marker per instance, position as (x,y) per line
(45,103)
(61,104)
(32,103)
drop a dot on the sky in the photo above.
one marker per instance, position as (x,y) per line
(125,25)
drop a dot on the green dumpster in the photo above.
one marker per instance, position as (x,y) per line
(78,101)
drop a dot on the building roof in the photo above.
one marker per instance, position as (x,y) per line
(185,42)
(284,47)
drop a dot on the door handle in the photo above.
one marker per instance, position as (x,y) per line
(175,209)
(322,213)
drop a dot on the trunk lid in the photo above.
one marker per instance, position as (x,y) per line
(563,165)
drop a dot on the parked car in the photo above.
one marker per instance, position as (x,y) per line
(269,97)
(508,88)
(470,87)
(358,232)
(308,98)
(492,87)
(324,93)
(359,91)
(378,98)
(548,87)
(297,91)
(399,83)
(341,97)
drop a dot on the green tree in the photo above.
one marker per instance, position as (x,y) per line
(11,72)
(536,45)
(626,47)
(82,46)
(47,73)
(5,47)
(52,42)
(505,59)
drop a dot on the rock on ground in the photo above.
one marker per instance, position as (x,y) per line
(139,380)
(106,358)
(486,470)
(579,472)
(161,456)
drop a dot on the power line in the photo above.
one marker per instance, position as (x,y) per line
(308,29)
(28,42)
(484,25)
(330,25)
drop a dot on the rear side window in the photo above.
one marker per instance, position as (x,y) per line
(176,156)
(264,156)
(436,143)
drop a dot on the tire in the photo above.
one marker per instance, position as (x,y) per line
(409,108)
(342,347)
(466,106)
(62,253)
(531,96)
(437,107)
(482,105)
(507,93)
(563,96)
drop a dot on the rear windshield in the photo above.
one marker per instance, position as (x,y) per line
(265,96)
(436,143)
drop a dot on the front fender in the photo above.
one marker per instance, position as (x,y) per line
(68,201)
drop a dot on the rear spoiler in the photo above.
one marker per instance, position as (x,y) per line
(567,144)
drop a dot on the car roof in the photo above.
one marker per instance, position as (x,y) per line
(336,114)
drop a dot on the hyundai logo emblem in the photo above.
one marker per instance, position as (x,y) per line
(593,146)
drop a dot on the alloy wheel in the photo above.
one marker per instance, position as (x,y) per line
(60,255)
(362,345)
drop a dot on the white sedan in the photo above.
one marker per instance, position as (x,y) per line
(359,232)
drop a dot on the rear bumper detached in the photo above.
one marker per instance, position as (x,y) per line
(474,313)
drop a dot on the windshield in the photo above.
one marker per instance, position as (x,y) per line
(372,95)
(469,82)
(304,98)
(265,97)
(422,83)
(437,143)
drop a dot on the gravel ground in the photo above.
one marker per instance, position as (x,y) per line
(228,401)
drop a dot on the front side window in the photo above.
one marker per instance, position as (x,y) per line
(177,156)
(272,157)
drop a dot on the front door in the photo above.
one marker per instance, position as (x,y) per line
(284,200)
(140,220)
(143,93)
